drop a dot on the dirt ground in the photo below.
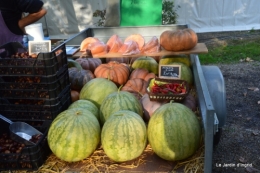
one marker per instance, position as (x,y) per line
(239,146)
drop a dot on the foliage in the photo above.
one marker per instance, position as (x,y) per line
(169,15)
(102,17)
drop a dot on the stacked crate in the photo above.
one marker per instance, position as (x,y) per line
(35,91)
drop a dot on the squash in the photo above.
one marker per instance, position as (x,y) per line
(114,71)
(149,106)
(179,40)
(78,78)
(142,73)
(114,43)
(136,85)
(138,38)
(74,95)
(89,63)
(85,43)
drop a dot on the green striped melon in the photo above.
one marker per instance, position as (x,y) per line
(87,105)
(174,132)
(147,63)
(186,73)
(120,100)
(74,134)
(168,59)
(96,90)
(124,136)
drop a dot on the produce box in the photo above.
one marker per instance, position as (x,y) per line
(35,110)
(34,86)
(17,156)
(167,93)
(14,61)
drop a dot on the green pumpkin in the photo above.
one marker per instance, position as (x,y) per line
(147,63)
(185,59)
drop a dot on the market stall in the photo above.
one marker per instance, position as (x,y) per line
(211,115)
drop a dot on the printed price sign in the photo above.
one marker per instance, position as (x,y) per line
(170,71)
(36,47)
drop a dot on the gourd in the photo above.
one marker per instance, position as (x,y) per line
(114,71)
(89,63)
(78,78)
(179,40)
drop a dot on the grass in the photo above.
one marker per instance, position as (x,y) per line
(229,52)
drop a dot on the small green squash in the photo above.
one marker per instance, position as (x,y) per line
(147,63)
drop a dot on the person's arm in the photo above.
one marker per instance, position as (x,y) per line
(31,18)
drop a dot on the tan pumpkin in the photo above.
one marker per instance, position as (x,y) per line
(142,74)
(114,71)
(149,106)
(89,63)
(179,40)
(137,85)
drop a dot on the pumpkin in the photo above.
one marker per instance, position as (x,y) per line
(74,134)
(136,85)
(138,38)
(178,40)
(114,43)
(149,106)
(142,74)
(114,71)
(74,95)
(89,63)
(87,105)
(73,63)
(78,78)
(124,136)
(120,100)
(147,63)
(120,60)
(174,132)
(190,101)
(85,43)
(168,59)
(97,90)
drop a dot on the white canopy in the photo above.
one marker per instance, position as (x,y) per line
(68,17)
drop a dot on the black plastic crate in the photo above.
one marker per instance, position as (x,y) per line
(35,113)
(29,158)
(48,63)
(33,86)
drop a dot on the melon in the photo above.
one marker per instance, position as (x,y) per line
(120,100)
(186,73)
(96,90)
(174,132)
(86,105)
(168,59)
(124,136)
(147,63)
(74,135)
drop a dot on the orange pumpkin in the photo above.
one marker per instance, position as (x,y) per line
(89,63)
(142,74)
(114,71)
(136,85)
(179,40)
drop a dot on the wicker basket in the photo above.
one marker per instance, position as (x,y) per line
(168,97)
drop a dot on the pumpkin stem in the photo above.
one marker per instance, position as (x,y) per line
(120,87)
